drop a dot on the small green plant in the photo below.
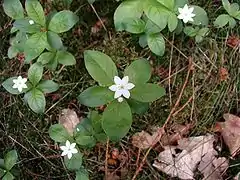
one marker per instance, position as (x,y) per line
(37,37)
(131,94)
(150,18)
(7,164)
(85,135)
(230,18)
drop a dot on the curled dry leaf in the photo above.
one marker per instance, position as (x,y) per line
(230,130)
(69,119)
(233,41)
(223,74)
(144,140)
(190,154)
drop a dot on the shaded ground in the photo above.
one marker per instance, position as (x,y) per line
(207,96)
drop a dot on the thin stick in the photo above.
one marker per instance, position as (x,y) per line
(106,160)
(169,74)
(94,10)
(180,109)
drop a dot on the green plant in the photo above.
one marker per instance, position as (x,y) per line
(7,164)
(123,97)
(150,19)
(230,18)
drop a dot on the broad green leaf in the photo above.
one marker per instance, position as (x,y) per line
(52,64)
(46,57)
(82,175)
(147,92)
(226,5)
(96,121)
(117,120)
(35,73)
(48,86)
(12,52)
(237,16)
(91,1)
(127,9)
(13,30)
(84,127)
(63,21)
(35,11)
(138,107)
(75,163)
(8,85)
(151,27)
(156,13)
(190,31)
(156,43)
(101,137)
(24,26)
(100,67)
(180,4)
(8,176)
(201,17)
(54,40)
(58,133)
(234,9)
(172,22)
(65,58)
(198,38)
(2,172)
(143,40)
(13,8)
(36,100)
(139,71)
(134,25)
(203,32)
(10,159)
(83,140)
(222,20)
(179,27)
(232,22)
(34,46)
(2,163)
(167,3)
(96,96)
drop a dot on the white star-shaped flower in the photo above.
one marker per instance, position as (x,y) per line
(20,83)
(186,13)
(121,87)
(31,22)
(69,149)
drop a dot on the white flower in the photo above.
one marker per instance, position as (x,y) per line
(120,99)
(121,87)
(68,149)
(31,22)
(19,83)
(186,13)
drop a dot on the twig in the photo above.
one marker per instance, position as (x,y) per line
(180,109)
(106,159)
(169,74)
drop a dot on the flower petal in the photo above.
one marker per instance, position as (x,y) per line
(117,80)
(130,86)
(20,88)
(24,86)
(64,153)
(180,16)
(63,148)
(113,87)
(72,146)
(117,94)
(74,151)
(15,86)
(120,99)
(69,155)
(24,80)
(125,80)
(191,9)
(180,10)
(190,19)
(126,93)
(68,144)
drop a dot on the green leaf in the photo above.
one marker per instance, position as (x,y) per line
(82,175)
(232,22)
(12,52)
(203,32)
(167,3)
(84,127)
(139,71)
(24,26)
(35,45)
(180,4)
(198,38)
(65,58)
(13,30)
(48,86)
(157,44)
(127,9)
(117,120)
(46,57)
(75,163)
(10,159)
(222,20)
(2,172)
(138,107)
(101,137)
(190,31)
(13,8)
(226,5)
(36,100)
(234,9)
(96,121)
(96,96)
(143,40)
(8,176)
(156,13)
(83,140)
(100,67)
(201,17)
(8,85)
(63,21)
(35,11)
(151,27)
(147,92)
(134,25)
(54,40)
(172,22)
(179,27)
(35,73)
(58,133)
(91,1)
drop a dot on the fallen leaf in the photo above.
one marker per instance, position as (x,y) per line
(69,119)
(233,41)
(112,176)
(191,153)
(230,131)
(223,73)
(144,140)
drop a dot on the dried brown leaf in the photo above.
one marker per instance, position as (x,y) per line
(69,119)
